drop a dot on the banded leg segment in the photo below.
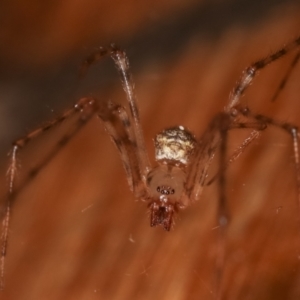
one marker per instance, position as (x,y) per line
(286,77)
(237,152)
(210,142)
(295,135)
(86,108)
(197,172)
(117,123)
(250,73)
(215,139)
(121,61)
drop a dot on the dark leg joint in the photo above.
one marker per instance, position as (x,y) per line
(33,172)
(290,128)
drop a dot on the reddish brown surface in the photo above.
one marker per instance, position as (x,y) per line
(77,233)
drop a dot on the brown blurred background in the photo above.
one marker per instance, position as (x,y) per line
(76,231)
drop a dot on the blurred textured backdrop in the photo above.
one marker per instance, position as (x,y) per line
(76,231)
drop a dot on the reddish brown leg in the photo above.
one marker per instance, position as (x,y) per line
(286,77)
(86,108)
(290,129)
(121,61)
(250,73)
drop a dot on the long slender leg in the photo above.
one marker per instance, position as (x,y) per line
(238,152)
(108,114)
(213,139)
(286,77)
(121,61)
(249,73)
(86,107)
(209,143)
(116,121)
(295,136)
(197,172)
(222,214)
(290,129)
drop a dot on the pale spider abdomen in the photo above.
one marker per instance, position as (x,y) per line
(175,144)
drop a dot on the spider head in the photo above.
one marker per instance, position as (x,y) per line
(166,185)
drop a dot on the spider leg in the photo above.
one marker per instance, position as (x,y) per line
(223,212)
(86,107)
(290,129)
(286,77)
(117,123)
(255,134)
(250,73)
(204,154)
(215,138)
(121,61)
(209,143)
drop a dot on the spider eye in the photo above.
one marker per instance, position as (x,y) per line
(166,181)
(165,190)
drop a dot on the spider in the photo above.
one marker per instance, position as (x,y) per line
(182,160)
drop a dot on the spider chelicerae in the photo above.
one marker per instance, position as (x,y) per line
(182,160)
